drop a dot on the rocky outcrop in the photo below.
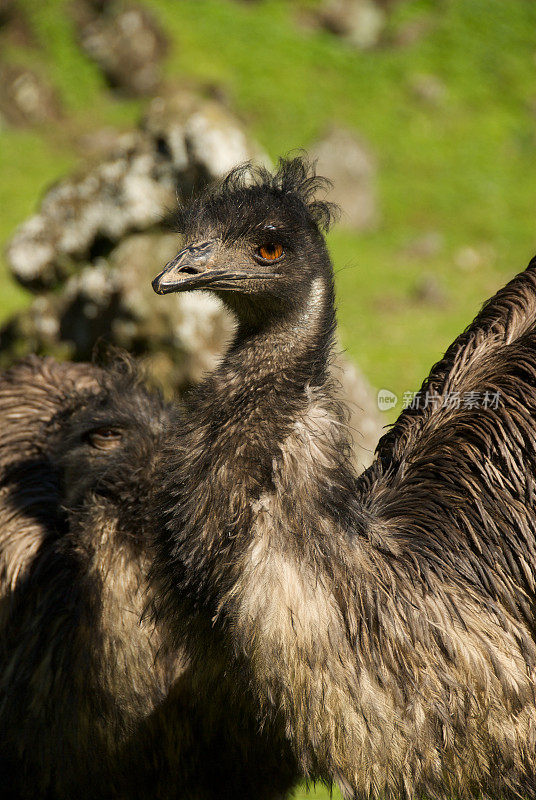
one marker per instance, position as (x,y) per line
(83,216)
(99,238)
(101,235)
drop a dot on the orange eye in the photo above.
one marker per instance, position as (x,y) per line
(270,252)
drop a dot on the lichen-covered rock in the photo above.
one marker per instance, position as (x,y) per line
(179,337)
(348,162)
(25,97)
(202,139)
(83,215)
(81,248)
(126,42)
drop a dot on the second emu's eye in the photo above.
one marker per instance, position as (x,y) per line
(269,252)
(105,438)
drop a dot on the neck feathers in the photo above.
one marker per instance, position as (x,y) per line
(243,412)
(264,416)
(270,364)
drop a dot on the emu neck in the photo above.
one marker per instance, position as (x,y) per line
(272,362)
(236,431)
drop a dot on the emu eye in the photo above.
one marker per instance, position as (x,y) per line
(268,253)
(105,438)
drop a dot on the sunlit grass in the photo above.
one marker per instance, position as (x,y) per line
(317,792)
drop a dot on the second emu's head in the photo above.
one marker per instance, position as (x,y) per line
(104,447)
(255,240)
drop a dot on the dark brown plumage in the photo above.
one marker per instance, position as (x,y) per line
(78,670)
(91,704)
(384,625)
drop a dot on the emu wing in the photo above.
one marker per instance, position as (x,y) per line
(457,472)
(440,612)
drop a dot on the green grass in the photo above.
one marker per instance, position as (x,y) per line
(463,168)
(316,793)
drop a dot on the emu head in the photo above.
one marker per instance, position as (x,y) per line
(254,240)
(104,447)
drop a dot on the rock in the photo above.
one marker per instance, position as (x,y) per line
(428,291)
(359,22)
(125,41)
(202,139)
(179,337)
(100,144)
(427,245)
(85,215)
(347,161)
(470,258)
(429,89)
(25,97)
(83,249)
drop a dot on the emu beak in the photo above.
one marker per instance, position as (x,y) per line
(190,269)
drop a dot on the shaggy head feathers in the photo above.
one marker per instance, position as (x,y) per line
(288,199)
(105,445)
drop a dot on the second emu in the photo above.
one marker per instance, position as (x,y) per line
(91,703)
(383,624)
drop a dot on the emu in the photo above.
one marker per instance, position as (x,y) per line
(92,704)
(384,625)
(78,670)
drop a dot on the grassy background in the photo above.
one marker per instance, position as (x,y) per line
(463,168)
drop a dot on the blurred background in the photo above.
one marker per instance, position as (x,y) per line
(422,113)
